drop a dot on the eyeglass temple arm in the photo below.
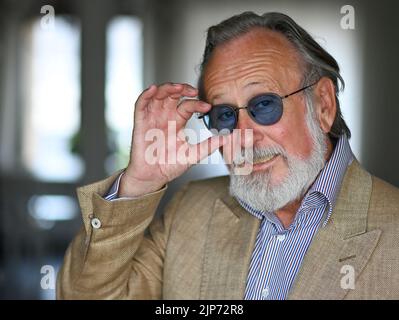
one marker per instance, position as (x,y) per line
(299,90)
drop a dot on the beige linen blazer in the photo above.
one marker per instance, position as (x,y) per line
(201,247)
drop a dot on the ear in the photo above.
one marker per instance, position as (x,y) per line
(325,103)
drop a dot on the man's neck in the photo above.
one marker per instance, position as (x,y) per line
(286,215)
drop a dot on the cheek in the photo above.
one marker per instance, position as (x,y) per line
(293,135)
(240,142)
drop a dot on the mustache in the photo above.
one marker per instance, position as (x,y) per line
(252,155)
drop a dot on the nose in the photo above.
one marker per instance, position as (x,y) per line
(249,130)
(244,121)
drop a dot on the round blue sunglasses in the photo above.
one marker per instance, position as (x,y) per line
(265,109)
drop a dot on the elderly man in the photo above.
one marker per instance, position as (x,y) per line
(307,222)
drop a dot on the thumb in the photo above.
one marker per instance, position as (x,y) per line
(206,148)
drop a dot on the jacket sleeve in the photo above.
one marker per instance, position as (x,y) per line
(121,255)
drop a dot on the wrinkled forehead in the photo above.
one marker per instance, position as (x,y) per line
(259,53)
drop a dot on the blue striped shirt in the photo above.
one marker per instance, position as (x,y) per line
(113,191)
(279,252)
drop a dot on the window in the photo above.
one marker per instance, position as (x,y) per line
(47,209)
(52,101)
(123,85)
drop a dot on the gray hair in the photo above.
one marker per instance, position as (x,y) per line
(318,62)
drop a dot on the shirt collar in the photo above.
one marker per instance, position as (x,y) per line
(329,181)
(326,186)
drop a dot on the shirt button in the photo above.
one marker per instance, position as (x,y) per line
(281,237)
(265,292)
(96,223)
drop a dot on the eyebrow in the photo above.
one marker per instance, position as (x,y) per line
(219,95)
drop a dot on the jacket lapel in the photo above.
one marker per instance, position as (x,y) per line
(343,246)
(228,250)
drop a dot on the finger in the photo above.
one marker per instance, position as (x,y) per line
(145,97)
(189,91)
(179,90)
(206,148)
(169,89)
(188,107)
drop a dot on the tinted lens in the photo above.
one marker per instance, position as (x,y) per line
(266,109)
(221,117)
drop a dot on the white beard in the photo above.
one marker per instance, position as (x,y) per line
(256,189)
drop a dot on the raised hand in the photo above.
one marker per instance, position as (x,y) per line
(161,114)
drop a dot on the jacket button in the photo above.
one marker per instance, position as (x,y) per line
(96,223)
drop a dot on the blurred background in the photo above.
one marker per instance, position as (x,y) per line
(70,72)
